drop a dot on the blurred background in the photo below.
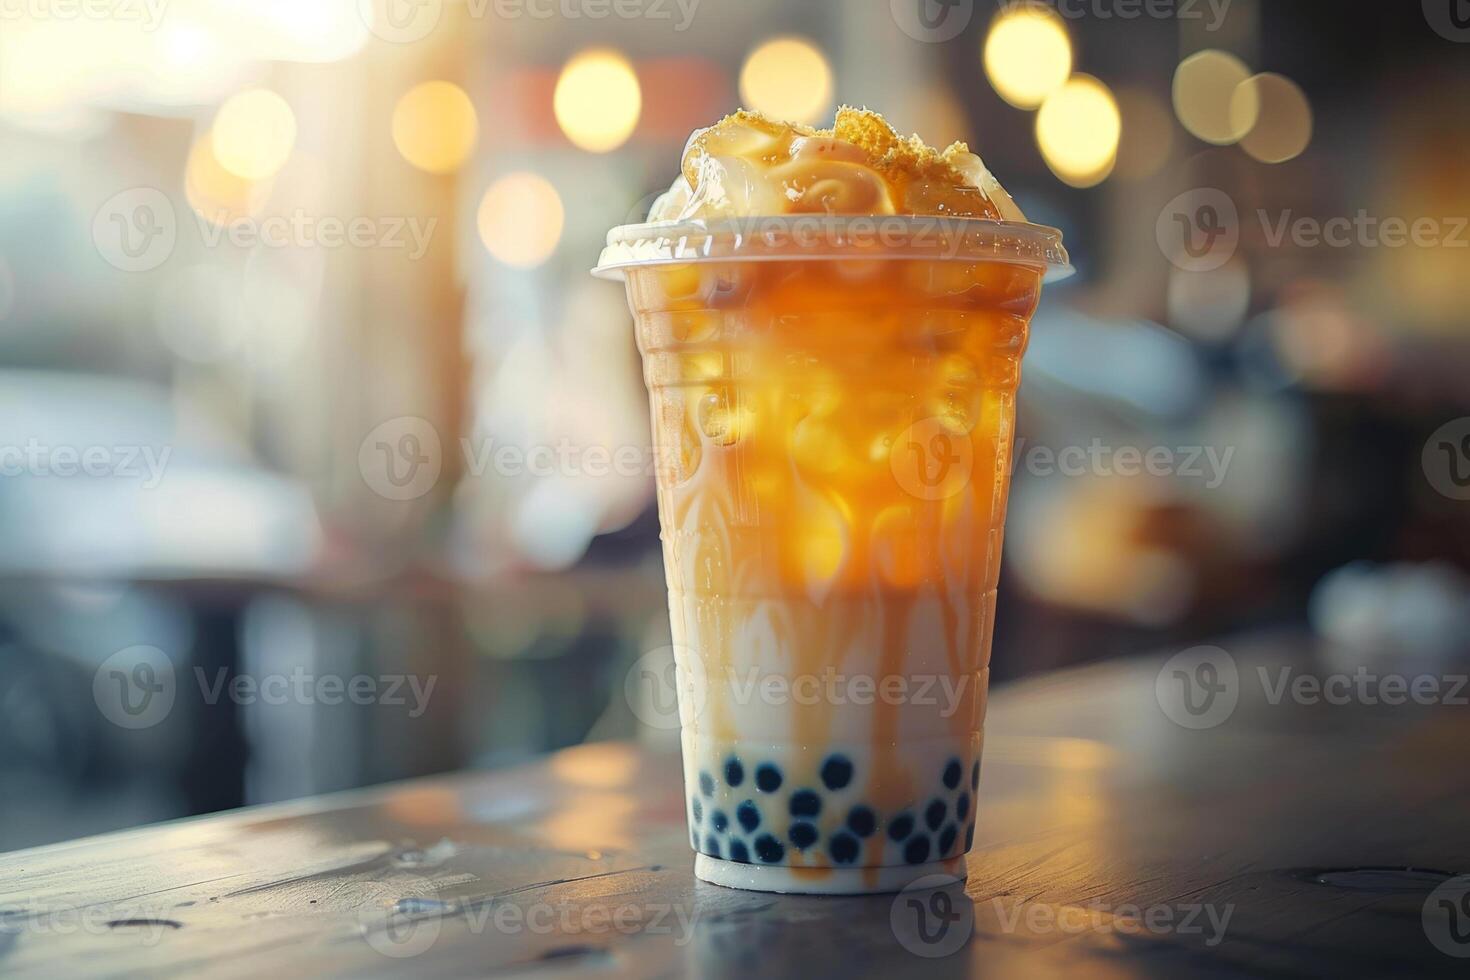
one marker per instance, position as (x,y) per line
(320,446)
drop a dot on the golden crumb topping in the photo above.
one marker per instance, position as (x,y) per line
(748,164)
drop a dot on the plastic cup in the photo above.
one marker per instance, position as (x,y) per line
(833,404)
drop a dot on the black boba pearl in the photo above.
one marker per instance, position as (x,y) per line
(860,821)
(802,834)
(734,772)
(749,815)
(844,848)
(738,853)
(836,772)
(697,808)
(805,803)
(969,837)
(719,820)
(769,849)
(975,775)
(916,851)
(962,806)
(952,773)
(901,826)
(706,784)
(767,778)
(935,813)
(712,846)
(946,839)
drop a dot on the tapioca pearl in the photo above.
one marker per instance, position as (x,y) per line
(749,815)
(805,803)
(861,821)
(935,813)
(718,820)
(900,827)
(734,771)
(836,772)
(706,784)
(844,848)
(696,808)
(712,846)
(738,852)
(969,837)
(962,806)
(952,773)
(947,838)
(975,775)
(769,849)
(916,851)
(767,778)
(802,834)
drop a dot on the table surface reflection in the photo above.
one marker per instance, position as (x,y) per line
(1289,836)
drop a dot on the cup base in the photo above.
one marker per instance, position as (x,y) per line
(825,881)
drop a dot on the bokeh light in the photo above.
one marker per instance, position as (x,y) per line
(1028,55)
(1150,129)
(1283,118)
(254,133)
(1078,129)
(520,219)
(1205,85)
(597,100)
(434,126)
(787,78)
(215,193)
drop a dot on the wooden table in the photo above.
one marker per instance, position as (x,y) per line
(1112,842)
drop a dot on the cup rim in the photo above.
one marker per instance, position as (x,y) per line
(814,237)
